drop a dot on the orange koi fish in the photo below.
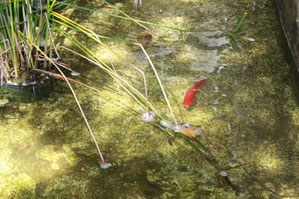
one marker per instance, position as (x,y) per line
(189,97)
(189,130)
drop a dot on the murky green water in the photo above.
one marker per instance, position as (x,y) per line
(247,109)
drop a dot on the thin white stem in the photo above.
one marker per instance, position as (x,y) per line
(144,78)
(50,33)
(77,101)
(2,67)
(116,76)
(112,74)
(157,76)
(63,65)
(144,82)
(136,68)
(129,92)
(3,60)
(104,68)
(28,32)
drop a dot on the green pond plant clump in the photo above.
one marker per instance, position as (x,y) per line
(3,101)
(25,25)
(28,55)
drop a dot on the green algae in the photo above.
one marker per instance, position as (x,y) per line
(252,120)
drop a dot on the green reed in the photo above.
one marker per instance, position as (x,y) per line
(18,55)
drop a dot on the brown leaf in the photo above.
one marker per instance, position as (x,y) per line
(22,147)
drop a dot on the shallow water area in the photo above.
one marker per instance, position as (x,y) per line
(247,109)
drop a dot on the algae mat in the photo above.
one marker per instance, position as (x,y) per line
(247,109)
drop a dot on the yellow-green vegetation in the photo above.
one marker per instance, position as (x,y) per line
(247,109)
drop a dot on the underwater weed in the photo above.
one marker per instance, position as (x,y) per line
(234,34)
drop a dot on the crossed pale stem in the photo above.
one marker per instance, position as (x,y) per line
(136,2)
(160,83)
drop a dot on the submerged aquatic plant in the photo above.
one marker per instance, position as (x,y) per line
(234,34)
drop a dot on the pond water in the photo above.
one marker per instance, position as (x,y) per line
(247,109)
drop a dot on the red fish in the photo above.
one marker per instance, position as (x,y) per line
(189,97)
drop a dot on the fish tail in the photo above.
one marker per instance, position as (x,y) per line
(198,84)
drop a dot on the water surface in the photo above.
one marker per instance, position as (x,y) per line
(247,109)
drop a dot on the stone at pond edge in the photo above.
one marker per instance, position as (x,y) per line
(3,102)
(75,74)
(288,11)
(223,173)
(105,165)
(149,116)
